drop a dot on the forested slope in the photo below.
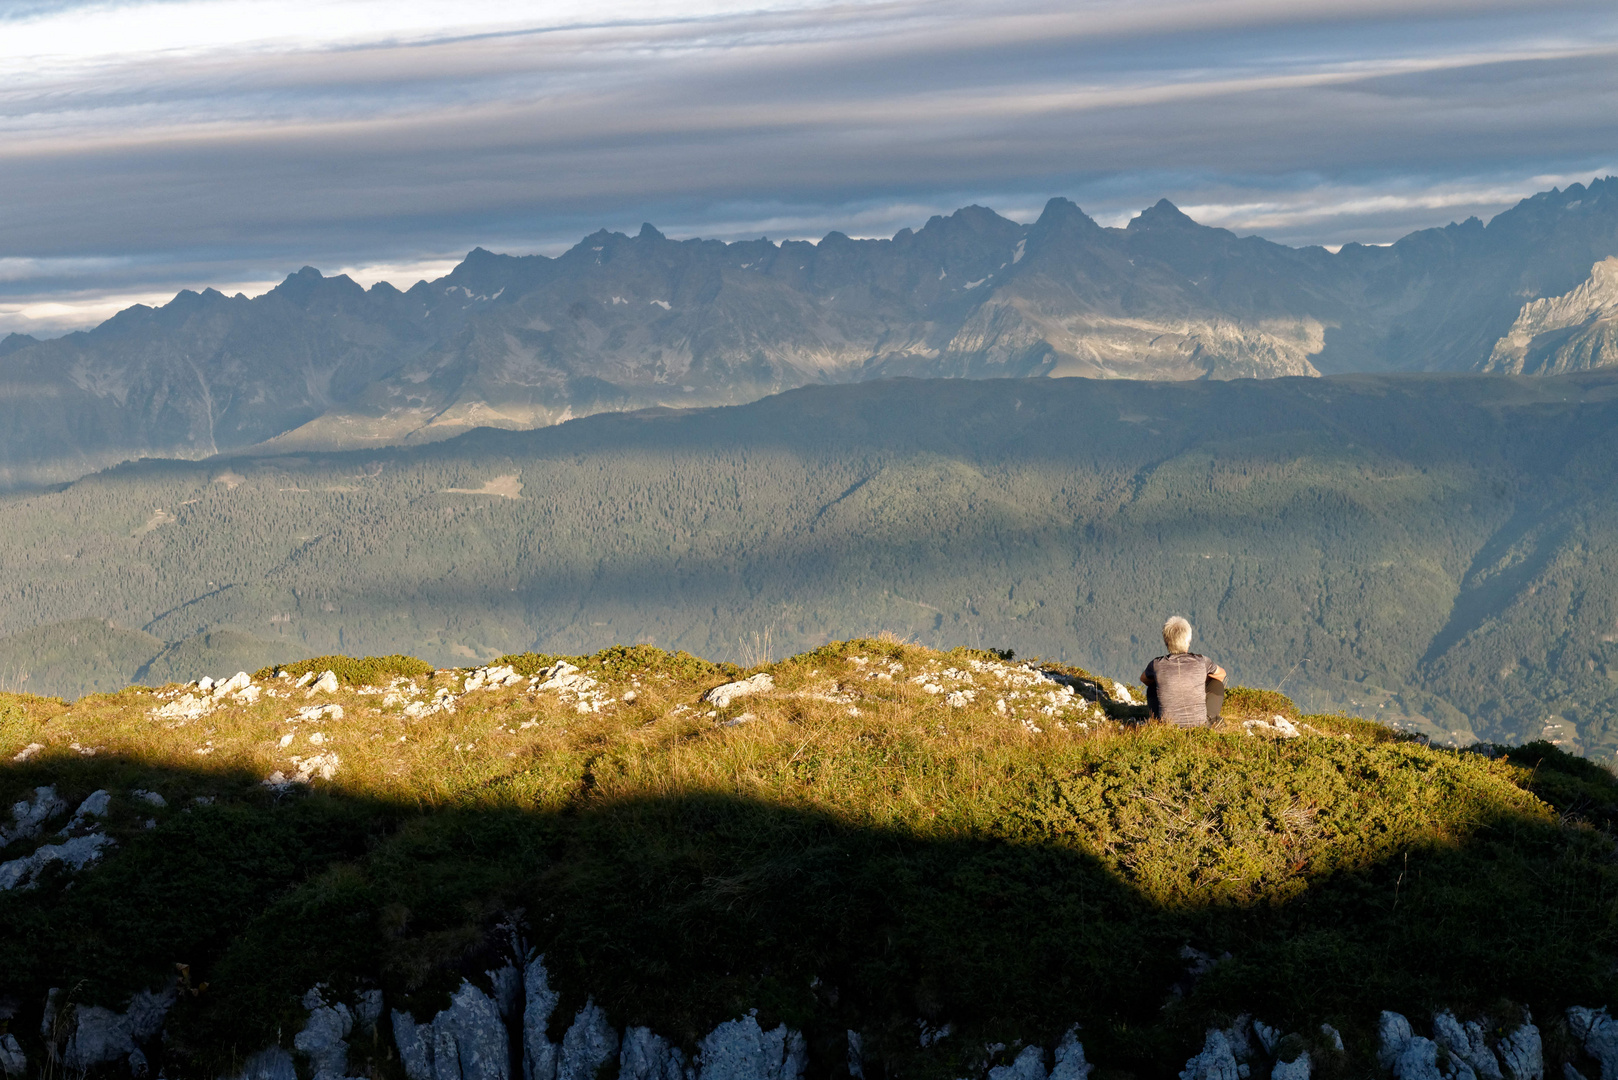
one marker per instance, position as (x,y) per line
(1427,548)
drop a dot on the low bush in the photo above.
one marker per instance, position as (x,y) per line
(364,671)
(1250,703)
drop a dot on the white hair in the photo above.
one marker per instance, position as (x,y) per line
(1177,634)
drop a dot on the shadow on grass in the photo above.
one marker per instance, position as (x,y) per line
(680,912)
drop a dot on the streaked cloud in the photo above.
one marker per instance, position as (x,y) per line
(151,145)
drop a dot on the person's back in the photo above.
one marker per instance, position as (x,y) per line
(1185,688)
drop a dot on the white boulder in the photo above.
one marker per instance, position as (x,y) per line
(75,854)
(95,805)
(722,696)
(28,816)
(326,684)
(233,685)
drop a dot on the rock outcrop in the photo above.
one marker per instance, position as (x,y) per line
(28,816)
(103,1037)
(1572,332)
(741,1050)
(467,1041)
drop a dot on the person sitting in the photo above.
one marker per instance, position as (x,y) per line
(1185,688)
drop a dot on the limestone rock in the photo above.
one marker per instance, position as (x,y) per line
(1267,1036)
(1393,1035)
(1599,1034)
(151,798)
(75,854)
(1296,1069)
(95,805)
(467,1041)
(1217,1061)
(29,816)
(722,696)
(1028,1065)
(414,1042)
(324,1038)
(1466,1044)
(1334,1035)
(1417,1061)
(13,1062)
(741,1050)
(645,1056)
(538,1052)
(1523,1054)
(103,1037)
(233,685)
(589,1043)
(326,684)
(1070,1063)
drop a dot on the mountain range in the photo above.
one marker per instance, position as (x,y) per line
(620,322)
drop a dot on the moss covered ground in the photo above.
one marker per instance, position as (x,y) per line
(888,838)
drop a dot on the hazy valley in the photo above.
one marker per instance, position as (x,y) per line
(1427,549)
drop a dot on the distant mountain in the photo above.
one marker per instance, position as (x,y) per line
(1431,549)
(1574,332)
(623,322)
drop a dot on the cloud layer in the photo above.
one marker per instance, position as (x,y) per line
(157,144)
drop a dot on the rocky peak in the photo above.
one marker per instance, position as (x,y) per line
(1571,332)
(1162,215)
(12,342)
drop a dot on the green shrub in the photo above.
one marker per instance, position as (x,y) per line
(1250,703)
(366,671)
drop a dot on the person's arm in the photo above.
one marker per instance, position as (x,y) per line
(1217,672)
(1146,677)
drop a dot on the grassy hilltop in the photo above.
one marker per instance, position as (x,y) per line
(887,837)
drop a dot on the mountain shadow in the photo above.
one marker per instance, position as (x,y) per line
(1143,891)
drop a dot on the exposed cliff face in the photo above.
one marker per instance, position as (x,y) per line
(622,322)
(1572,332)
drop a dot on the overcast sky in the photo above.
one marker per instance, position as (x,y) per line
(163,144)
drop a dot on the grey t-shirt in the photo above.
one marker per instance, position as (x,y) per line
(1182,687)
